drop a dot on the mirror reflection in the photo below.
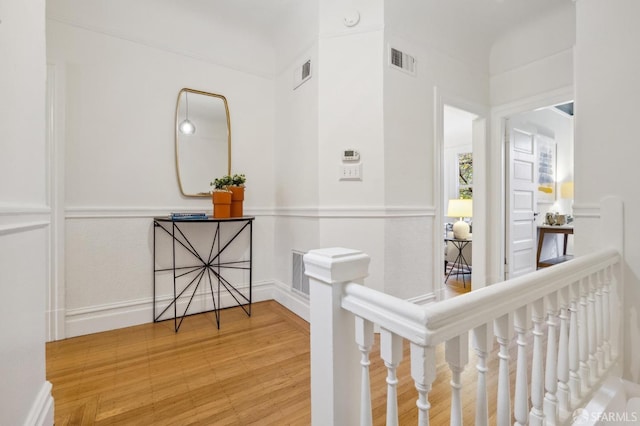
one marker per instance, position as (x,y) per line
(203,140)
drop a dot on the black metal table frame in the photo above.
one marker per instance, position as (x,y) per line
(210,267)
(460,263)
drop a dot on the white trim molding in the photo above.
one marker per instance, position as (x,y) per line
(22,227)
(23,210)
(41,412)
(591,211)
(284,295)
(337,212)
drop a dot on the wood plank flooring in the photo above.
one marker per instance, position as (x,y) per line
(253,371)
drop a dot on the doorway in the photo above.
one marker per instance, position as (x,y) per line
(457,185)
(544,119)
(461,142)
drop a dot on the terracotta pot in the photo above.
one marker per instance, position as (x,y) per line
(221,204)
(237,199)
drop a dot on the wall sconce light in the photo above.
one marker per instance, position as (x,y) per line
(187,127)
(460,208)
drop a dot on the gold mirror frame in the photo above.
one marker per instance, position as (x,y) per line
(196,116)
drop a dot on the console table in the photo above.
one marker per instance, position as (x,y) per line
(206,253)
(553,229)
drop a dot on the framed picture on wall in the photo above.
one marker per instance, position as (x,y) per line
(546,169)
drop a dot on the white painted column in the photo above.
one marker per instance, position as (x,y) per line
(334,353)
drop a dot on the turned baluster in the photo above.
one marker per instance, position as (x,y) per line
(615,309)
(583,339)
(521,395)
(481,340)
(551,366)
(536,415)
(503,332)
(575,384)
(599,321)
(563,353)
(391,353)
(423,372)
(606,316)
(457,356)
(591,329)
(364,339)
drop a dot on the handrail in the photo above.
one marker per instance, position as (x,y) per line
(564,319)
(437,322)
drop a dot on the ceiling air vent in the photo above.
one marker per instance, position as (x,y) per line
(301,74)
(403,61)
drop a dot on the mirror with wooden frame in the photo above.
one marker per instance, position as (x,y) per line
(203,140)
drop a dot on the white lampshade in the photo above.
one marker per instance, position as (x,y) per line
(566,190)
(460,208)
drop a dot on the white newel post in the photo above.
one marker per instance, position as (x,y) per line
(335,393)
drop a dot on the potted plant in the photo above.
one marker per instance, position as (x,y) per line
(221,197)
(237,194)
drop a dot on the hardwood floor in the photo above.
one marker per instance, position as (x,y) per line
(253,371)
(456,284)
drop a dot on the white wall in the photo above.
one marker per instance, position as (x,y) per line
(607,149)
(296,148)
(120,94)
(354,101)
(189,29)
(450,61)
(529,65)
(25,395)
(534,58)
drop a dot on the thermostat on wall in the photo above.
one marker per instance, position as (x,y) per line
(350,155)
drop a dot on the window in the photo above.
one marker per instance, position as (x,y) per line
(465,175)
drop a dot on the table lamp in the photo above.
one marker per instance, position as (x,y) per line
(460,208)
(566,190)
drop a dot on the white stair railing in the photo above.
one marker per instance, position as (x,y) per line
(573,306)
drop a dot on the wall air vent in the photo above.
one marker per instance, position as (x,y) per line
(301,74)
(299,281)
(402,61)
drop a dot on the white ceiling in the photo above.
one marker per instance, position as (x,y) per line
(489,17)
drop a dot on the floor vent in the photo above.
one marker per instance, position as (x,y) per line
(299,281)
(402,61)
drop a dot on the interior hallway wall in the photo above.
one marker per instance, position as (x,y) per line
(607,150)
(25,395)
(120,95)
(456,63)
(527,65)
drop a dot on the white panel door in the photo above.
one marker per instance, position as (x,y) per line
(521,191)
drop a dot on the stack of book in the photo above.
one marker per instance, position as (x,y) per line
(188,216)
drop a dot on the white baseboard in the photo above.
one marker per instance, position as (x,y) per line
(294,302)
(98,318)
(106,317)
(41,413)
